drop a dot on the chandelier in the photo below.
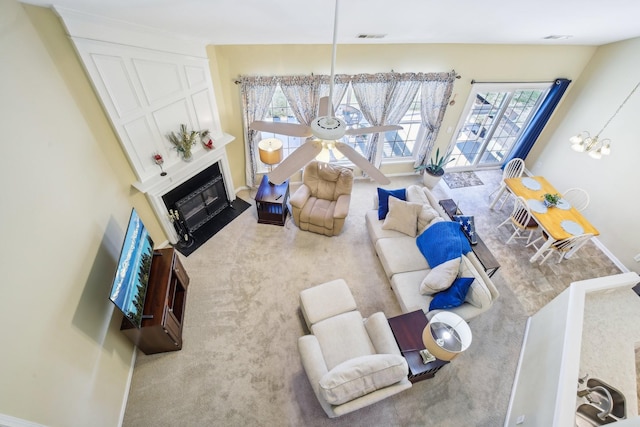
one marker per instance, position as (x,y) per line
(596,147)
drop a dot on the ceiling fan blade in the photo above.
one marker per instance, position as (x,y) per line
(362,163)
(295,161)
(372,129)
(323,110)
(291,129)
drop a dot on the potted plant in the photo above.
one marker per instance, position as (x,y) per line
(550,200)
(184,140)
(433,171)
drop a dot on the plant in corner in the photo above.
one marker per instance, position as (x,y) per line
(184,140)
(551,200)
(434,170)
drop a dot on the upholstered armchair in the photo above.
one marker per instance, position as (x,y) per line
(321,203)
(351,362)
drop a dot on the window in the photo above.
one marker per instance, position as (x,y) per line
(397,144)
(494,118)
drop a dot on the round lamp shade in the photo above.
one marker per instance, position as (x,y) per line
(270,150)
(446,335)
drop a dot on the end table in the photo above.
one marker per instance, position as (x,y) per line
(272,202)
(407,329)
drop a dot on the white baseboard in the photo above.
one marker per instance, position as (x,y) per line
(515,379)
(610,255)
(125,398)
(9,421)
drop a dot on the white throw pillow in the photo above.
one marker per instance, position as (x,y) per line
(427,217)
(362,375)
(402,216)
(416,193)
(440,277)
(478,295)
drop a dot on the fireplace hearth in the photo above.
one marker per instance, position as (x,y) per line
(200,208)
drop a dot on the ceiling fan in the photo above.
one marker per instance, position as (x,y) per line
(323,135)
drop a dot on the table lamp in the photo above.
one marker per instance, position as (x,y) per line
(270,150)
(446,335)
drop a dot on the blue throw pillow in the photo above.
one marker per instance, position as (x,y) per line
(467,223)
(383,199)
(453,296)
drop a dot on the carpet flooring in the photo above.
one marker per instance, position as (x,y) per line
(239,365)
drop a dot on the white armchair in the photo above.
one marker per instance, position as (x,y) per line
(350,362)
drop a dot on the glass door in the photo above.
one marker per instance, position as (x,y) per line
(493,119)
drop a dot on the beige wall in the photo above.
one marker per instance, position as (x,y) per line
(67,195)
(479,62)
(66,198)
(610,181)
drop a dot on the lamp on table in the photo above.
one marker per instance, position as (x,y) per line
(446,335)
(270,150)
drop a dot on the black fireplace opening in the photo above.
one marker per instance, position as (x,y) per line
(200,207)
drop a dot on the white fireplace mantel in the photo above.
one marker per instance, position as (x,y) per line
(158,186)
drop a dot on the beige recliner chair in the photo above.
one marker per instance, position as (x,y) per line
(321,203)
(351,362)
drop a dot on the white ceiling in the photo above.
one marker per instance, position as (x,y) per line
(589,22)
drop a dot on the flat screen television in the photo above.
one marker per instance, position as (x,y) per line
(129,286)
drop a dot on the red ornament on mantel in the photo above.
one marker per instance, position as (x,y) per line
(157,157)
(208,143)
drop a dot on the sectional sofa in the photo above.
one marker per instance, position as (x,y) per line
(413,281)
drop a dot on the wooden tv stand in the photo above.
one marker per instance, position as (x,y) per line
(164,306)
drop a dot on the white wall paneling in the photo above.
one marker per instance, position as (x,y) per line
(164,88)
(150,84)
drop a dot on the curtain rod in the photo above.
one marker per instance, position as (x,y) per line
(475,81)
(458,76)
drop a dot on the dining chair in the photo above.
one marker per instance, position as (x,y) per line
(563,247)
(513,169)
(521,220)
(577,197)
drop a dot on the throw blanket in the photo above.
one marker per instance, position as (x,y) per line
(442,242)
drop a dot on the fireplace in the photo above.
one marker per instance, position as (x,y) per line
(200,207)
(199,199)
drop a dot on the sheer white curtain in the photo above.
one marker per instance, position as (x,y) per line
(257,93)
(384,98)
(303,94)
(435,92)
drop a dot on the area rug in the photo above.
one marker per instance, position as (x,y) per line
(461,179)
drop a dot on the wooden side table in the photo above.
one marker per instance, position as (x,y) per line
(480,249)
(272,202)
(407,329)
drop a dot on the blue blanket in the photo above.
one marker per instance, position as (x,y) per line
(442,242)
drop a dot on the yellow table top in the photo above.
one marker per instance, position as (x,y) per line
(552,219)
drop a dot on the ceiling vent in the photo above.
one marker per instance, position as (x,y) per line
(371,36)
(557,37)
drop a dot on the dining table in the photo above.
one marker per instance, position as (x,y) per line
(559,222)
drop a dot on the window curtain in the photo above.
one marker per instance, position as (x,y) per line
(384,98)
(256,93)
(530,135)
(436,89)
(303,94)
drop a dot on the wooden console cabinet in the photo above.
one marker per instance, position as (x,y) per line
(164,306)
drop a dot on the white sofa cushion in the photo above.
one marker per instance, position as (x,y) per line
(400,254)
(343,337)
(374,227)
(326,300)
(362,375)
(402,216)
(407,290)
(478,295)
(440,277)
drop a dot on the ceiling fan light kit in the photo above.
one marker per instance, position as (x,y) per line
(328,128)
